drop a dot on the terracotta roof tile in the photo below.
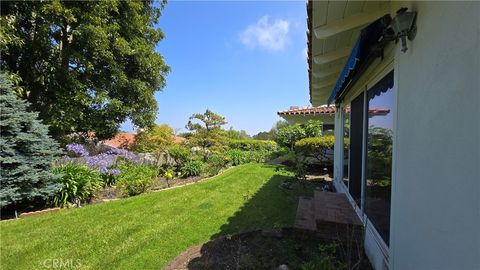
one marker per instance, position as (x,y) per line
(179,139)
(121,140)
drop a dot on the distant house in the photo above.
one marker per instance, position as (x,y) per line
(412,174)
(127,139)
(179,139)
(121,140)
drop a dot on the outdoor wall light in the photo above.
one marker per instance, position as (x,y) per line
(404,26)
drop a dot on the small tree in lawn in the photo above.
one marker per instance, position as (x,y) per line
(207,131)
(27,153)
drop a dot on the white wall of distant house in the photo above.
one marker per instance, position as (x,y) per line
(436,181)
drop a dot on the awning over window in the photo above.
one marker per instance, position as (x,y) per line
(368,46)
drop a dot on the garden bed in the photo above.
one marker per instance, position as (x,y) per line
(162,182)
(295,248)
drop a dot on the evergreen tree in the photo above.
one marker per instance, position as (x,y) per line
(27,152)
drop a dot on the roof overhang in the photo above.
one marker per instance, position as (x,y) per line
(333,29)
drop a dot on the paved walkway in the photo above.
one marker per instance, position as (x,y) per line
(330,214)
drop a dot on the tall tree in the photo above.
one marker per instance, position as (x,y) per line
(27,152)
(85,66)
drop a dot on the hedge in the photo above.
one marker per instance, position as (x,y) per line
(315,146)
(253,145)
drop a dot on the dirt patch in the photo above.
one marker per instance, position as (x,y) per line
(295,248)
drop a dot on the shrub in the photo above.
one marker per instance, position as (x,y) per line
(78,182)
(135,179)
(253,145)
(192,168)
(27,152)
(316,147)
(154,139)
(326,259)
(238,157)
(180,153)
(215,163)
(260,155)
(289,135)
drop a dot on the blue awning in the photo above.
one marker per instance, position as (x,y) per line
(368,46)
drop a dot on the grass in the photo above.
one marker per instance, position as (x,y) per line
(148,231)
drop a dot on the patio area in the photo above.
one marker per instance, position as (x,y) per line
(330,214)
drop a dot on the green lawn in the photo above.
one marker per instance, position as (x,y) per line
(147,231)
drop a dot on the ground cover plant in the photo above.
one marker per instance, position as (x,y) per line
(147,231)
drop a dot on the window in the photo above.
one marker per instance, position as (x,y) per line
(328,127)
(346,143)
(378,178)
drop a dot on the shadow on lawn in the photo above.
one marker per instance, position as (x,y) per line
(271,207)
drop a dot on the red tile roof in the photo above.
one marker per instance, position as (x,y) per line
(121,140)
(324,109)
(127,139)
(179,139)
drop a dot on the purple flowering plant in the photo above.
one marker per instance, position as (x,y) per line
(76,150)
(105,162)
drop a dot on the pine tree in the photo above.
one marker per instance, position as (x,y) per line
(26,152)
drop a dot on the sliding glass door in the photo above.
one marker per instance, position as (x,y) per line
(368,160)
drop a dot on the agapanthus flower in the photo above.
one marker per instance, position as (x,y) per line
(102,162)
(115,171)
(76,149)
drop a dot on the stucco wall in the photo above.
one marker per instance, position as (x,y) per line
(435,197)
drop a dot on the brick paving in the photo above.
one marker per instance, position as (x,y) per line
(328,213)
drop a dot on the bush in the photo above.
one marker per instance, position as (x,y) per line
(78,182)
(260,155)
(192,168)
(253,145)
(316,147)
(154,139)
(216,162)
(238,157)
(180,153)
(135,179)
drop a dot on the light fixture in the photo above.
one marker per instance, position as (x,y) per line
(404,26)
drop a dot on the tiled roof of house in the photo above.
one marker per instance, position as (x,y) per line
(179,139)
(127,139)
(308,110)
(324,109)
(121,140)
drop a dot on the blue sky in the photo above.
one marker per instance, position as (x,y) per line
(242,60)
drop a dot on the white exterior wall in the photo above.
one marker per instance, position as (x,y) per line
(436,179)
